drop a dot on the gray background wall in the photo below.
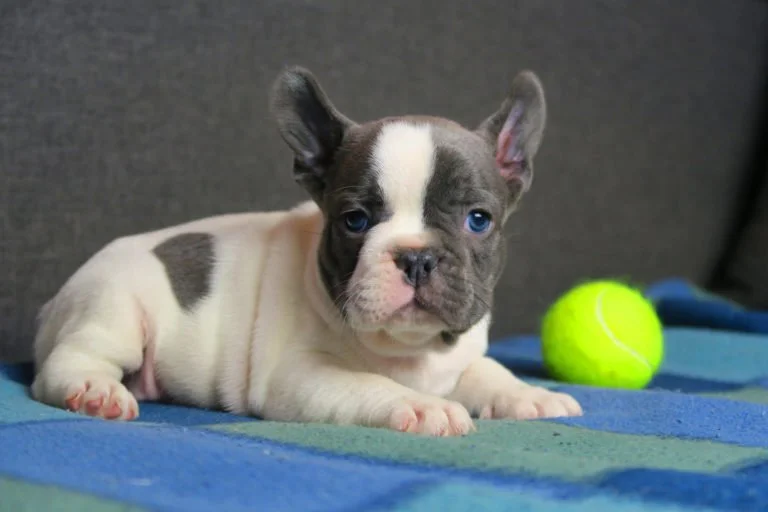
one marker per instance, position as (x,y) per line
(118,117)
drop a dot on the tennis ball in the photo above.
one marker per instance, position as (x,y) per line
(603,333)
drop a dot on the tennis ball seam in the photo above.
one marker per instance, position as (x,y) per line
(616,341)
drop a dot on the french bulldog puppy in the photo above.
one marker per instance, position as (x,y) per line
(368,305)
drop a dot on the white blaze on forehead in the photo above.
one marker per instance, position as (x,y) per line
(403,159)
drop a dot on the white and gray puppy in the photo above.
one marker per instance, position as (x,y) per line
(368,305)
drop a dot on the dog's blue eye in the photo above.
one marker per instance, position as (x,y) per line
(356,221)
(478,221)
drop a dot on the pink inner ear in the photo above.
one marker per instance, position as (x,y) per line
(509,155)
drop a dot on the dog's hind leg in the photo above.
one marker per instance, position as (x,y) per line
(89,338)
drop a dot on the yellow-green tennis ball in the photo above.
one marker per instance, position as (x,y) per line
(605,334)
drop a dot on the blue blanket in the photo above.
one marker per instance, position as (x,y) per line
(696,439)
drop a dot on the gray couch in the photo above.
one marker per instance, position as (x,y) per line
(118,117)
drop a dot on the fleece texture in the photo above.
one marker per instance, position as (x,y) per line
(694,440)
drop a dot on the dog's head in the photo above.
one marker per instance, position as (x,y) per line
(414,206)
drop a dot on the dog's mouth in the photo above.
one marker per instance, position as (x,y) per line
(415,309)
(392,305)
(413,325)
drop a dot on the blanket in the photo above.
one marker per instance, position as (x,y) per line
(695,440)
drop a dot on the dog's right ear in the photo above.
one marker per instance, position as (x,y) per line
(309,124)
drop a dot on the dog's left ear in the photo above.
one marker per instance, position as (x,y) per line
(516,129)
(309,124)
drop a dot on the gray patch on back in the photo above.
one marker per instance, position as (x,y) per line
(188,260)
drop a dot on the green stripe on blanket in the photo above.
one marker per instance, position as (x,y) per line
(534,447)
(20,496)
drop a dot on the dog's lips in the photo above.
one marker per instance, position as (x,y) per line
(412,305)
(414,310)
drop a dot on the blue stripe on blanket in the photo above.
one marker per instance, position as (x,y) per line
(723,492)
(683,305)
(453,497)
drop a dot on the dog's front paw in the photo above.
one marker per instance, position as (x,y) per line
(529,402)
(430,416)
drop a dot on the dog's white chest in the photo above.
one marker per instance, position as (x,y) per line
(435,373)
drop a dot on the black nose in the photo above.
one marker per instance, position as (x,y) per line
(416,265)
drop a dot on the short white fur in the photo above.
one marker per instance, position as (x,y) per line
(404,162)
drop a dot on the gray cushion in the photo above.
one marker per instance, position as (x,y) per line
(120,117)
(745,278)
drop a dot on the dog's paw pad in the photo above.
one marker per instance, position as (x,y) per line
(74,400)
(113,411)
(93,407)
(103,398)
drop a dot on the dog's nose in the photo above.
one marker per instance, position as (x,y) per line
(416,264)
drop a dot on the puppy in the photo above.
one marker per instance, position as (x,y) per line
(368,305)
